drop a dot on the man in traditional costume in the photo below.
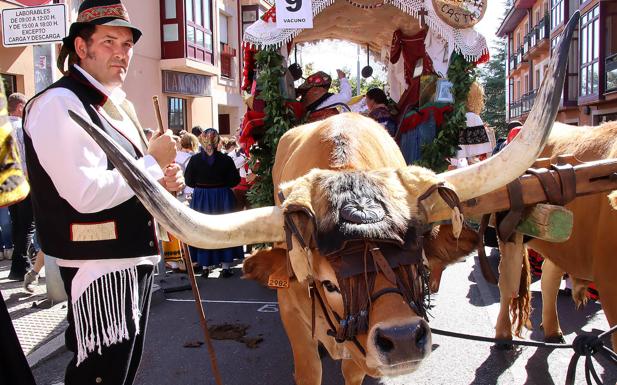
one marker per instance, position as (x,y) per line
(87,216)
(317,101)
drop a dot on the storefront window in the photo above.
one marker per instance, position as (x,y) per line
(177,114)
(590,52)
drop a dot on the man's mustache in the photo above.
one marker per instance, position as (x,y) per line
(122,64)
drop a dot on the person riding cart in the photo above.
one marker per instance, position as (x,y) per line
(317,101)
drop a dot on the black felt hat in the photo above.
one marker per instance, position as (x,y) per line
(97,12)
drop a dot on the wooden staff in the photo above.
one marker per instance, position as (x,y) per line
(157,111)
(184,253)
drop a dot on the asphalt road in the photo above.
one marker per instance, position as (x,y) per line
(466,303)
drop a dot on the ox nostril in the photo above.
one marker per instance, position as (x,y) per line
(384,343)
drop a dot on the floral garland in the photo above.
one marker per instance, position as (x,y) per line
(435,155)
(277,121)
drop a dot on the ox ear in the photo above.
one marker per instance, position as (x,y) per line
(264,263)
(296,199)
(299,243)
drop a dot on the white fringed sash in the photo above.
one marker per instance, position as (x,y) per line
(99,292)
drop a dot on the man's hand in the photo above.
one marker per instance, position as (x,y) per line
(163,148)
(340,74)
(173,181)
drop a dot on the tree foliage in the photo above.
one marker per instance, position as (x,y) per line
(493,78)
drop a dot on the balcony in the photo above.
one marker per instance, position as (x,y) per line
(523,105)
(610,67)
(537,40)
(227,55)
(513,63)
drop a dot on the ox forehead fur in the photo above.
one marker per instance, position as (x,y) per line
(323,192)
(343,145)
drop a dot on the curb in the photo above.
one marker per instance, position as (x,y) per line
(46,350)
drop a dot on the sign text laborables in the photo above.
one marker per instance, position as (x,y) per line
(33,25)
(294,14)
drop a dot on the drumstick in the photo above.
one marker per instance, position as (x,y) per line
(157,110)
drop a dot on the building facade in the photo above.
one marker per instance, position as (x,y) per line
(531,28)
(189,56)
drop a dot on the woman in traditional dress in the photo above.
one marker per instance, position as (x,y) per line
(474,142)
(212,175)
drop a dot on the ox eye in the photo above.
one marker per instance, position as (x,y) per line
(330,287)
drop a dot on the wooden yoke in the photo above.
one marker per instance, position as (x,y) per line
(591,178)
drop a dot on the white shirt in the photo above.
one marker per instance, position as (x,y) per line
(343,96)
(76,165)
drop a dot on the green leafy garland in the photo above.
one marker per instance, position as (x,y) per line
(277,121)
(461,74)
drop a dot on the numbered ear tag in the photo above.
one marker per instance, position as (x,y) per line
(278,281)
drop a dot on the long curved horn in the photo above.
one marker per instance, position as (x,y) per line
(519,155)
(260,225)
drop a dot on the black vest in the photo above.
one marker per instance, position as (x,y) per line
(124,231)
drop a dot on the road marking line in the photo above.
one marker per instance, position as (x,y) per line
(221,301)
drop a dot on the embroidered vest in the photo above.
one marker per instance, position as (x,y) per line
(124,231)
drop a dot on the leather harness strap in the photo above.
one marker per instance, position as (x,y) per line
(315,294)
(508,224)
(568,181)
(549,184)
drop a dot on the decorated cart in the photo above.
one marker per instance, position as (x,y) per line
(430,51)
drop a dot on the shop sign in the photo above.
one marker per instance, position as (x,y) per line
(294,14)
(186,83)
(33,25)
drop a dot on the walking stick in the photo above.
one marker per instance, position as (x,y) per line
(157,111)
(184,253)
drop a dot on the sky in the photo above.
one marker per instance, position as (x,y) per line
(329,55)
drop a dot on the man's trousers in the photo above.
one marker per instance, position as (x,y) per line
(23,230)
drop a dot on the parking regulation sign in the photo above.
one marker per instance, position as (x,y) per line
(33,25)
(294,14)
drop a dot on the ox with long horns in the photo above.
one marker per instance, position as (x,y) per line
(352,217)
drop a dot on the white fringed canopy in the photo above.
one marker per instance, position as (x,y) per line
(341,19)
